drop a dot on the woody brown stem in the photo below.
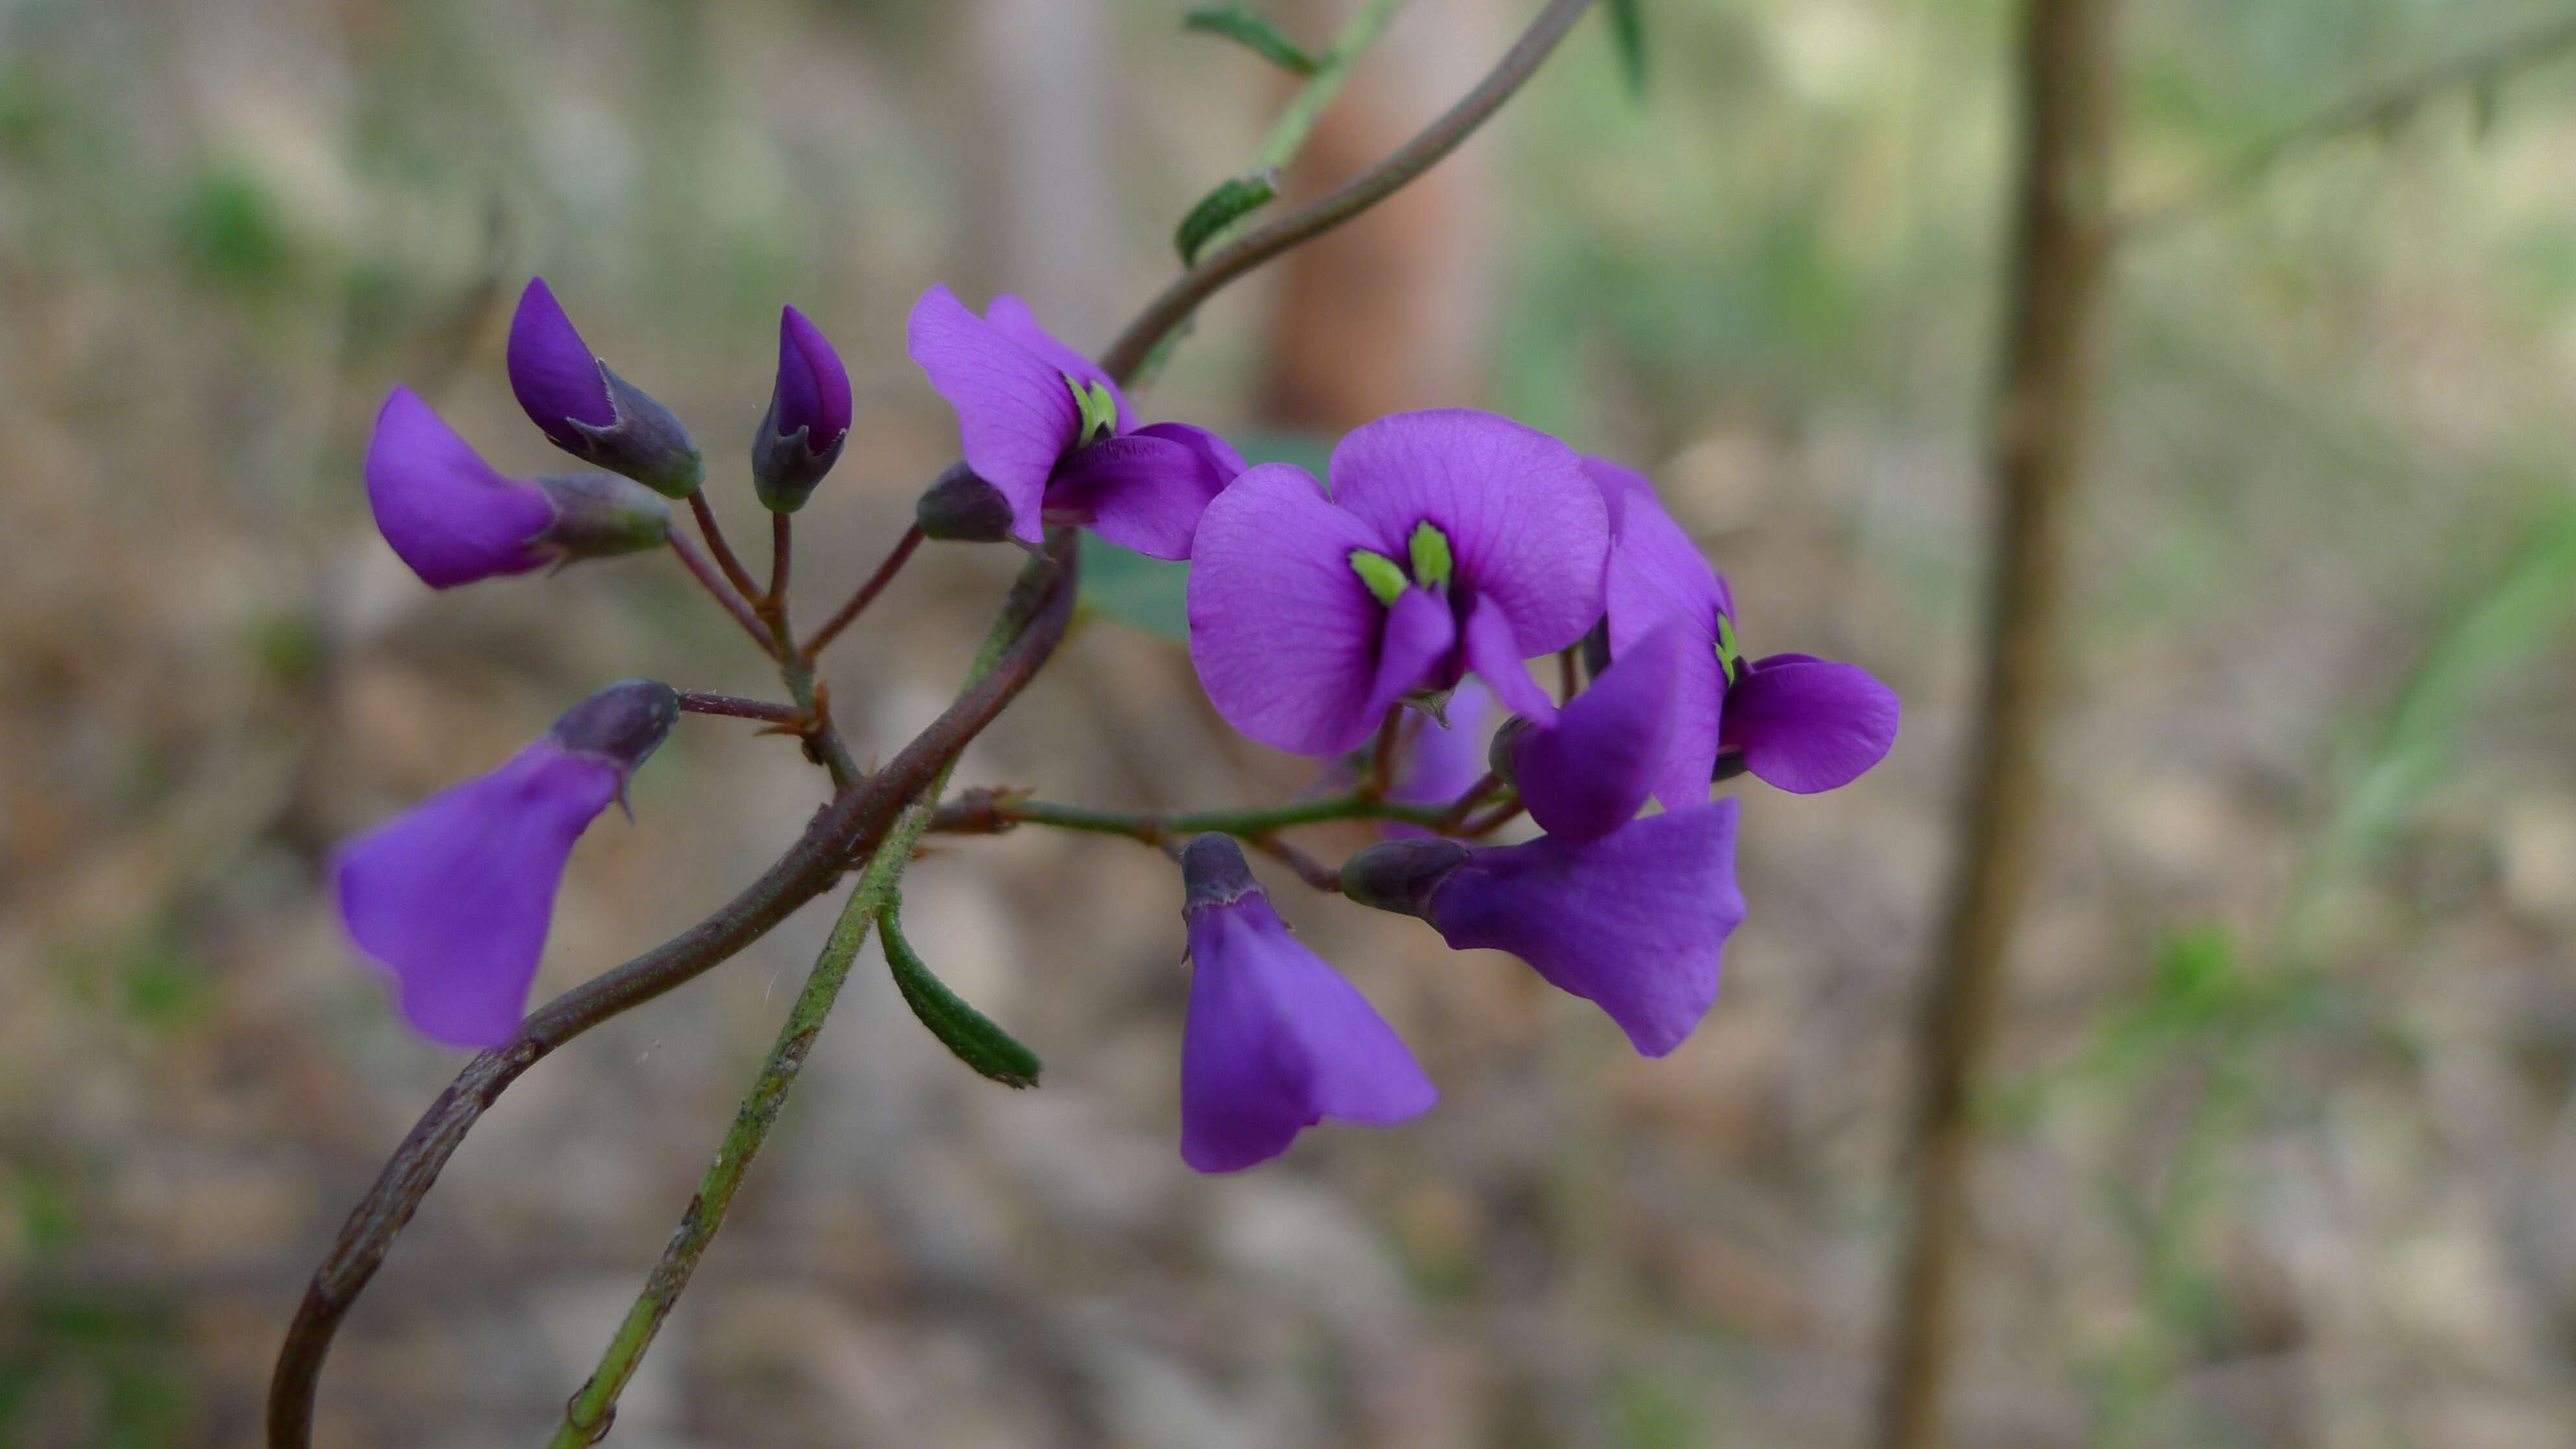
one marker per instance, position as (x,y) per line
(2061,249)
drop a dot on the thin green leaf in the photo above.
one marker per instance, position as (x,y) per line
(1233,199)
(1628,33)
(1237,24)
(962,1029)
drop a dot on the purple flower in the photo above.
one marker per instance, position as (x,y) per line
(1452,541)
(589,411)
(450,516)
(1054,436)
(809,416)
(453,896)
(1633,921)
(444,510)
(1276,1040)
(1800,723)
(1592,771)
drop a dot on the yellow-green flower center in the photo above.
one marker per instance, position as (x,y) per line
(1428,552)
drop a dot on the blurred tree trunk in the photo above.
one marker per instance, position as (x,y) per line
(1394,310)
(2068,82)
(1043,215)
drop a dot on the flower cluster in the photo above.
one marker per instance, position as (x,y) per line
(1399,600)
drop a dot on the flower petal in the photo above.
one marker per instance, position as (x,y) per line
(1015,413)
(1657,573)
(1283,632)
(1012,318)
(1634,921)
(1142,491)
(1591,773)
(1527,528)
(1699,699)
(442,508)
(553,372)
(1806,725)
(454,895)
(813,386)
(1277,1041)
(1419,634)
(1494,651)
(1617,484)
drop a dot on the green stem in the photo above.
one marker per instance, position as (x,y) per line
(588,1416)
(1251,824)
(1288,133)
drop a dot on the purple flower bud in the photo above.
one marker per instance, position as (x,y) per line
(454,519)
(453,896)
(1276,1039)
(1633,921)
(589,411)
(446,512)
(809,416)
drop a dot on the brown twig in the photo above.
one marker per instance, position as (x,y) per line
(1381,767)
(867,594)
(736,707)
(1465,805)
(1326,878)
(1504,813)
(713,532)
(850,826)
(2061,248)
(1180,300)
(722,592)
(782,547)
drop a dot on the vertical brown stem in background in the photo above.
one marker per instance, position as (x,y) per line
(2068,83)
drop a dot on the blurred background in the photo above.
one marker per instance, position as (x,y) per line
(2282,1137)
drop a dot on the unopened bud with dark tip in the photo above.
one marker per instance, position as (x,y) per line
(809,417)
(1507,740)
(589,411)
(600,515)
(1214,873)
(621,724)
(963,508)
(1402,875)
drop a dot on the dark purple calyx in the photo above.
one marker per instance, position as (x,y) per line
(621,724)
(1402,875)
(963,508)
(1214,873)
(600,515)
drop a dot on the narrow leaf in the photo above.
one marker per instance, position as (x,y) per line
(1628,33)
(962,1029)
(1243,26)
(1233,199)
